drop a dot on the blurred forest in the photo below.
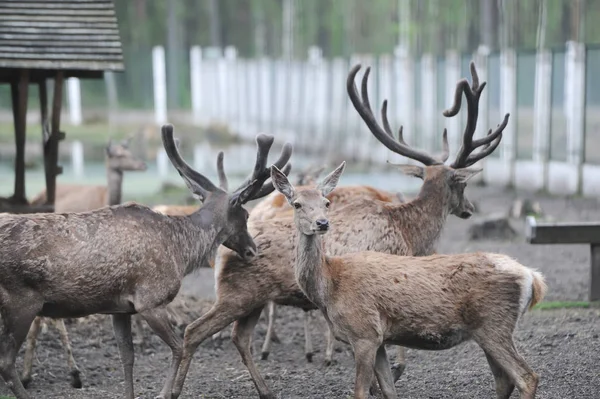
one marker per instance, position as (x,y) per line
(288,28)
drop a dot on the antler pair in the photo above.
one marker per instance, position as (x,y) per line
(464,157)
(253,188)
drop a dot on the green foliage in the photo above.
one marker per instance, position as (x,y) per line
(561,305)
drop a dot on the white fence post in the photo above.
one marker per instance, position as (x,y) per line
(77,161)
(428,101)
(74,100)
(196,82)
(481,63)
(541,106)
(575,100)
(160,85)
(508,104)
(405,96)
(452,123)
(162,163)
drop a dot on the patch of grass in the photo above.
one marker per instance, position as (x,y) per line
(7,397)
(561,305)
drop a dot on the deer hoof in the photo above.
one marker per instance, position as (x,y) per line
(309,357)
(327,362)
(26,381)
(264,355)
(76,379)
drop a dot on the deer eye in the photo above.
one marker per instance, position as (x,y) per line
(327,204)
(297,205)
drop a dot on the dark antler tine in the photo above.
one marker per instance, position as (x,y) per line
(474,76)
(386,123)
(268,187)
(492,135)
(401,135)
(223,183)
(284,156)
(445,148)
(485,151)
(182,167)
(364,90)
(461,86)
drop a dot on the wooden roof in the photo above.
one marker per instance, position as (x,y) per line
(72,35)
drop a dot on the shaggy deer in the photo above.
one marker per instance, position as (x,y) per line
(119,260)
(80,198)
(370,299)
(244,287)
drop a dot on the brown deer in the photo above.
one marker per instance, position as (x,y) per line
(86,197)
(274,205)
(244,287)
(119,260)
(370,299)
(80,198)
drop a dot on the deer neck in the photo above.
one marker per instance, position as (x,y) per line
(421,221)
(115,186)
(310,260)
(207,236)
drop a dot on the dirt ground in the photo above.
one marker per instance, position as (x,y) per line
(563,346)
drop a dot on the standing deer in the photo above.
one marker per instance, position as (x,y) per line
(119,260)
(370,299)
(80,198)
(244,287)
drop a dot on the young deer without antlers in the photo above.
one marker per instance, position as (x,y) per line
(370,299)
(244,287)
(81,198)
(119,260)
(274,205)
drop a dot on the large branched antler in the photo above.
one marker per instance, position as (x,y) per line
(384,135)
(465,156)
(255,187)
(197,183)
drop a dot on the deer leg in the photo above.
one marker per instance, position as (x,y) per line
(308,346)
(13,331)
(217,318)
(384,374)
(66,343)
(329,348)
(504,386)
(243,330)
(122,329)
(503,353)
(364,357)
(32,336)
(139,330)
(266,348)
(158,320)
(399,363)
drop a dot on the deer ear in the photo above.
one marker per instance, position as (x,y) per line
(282,184)
(331,180)
(411,170)
(463,175)
(109,147)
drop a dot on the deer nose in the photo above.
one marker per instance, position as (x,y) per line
(322,224)
(250,253)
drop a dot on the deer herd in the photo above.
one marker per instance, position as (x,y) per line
(363,257)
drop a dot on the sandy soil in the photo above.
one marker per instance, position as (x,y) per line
(563,346)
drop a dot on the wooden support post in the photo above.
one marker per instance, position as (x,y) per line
(51,146)
(19,103)
(595,273)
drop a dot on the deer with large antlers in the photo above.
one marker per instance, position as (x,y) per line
(81,198)
(370,299)
(119,260)
(244,287)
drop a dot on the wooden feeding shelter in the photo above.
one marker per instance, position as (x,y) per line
(51,39)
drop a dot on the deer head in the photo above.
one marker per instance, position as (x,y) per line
(120,158)
(451,179)
(223,209)
(310,204)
